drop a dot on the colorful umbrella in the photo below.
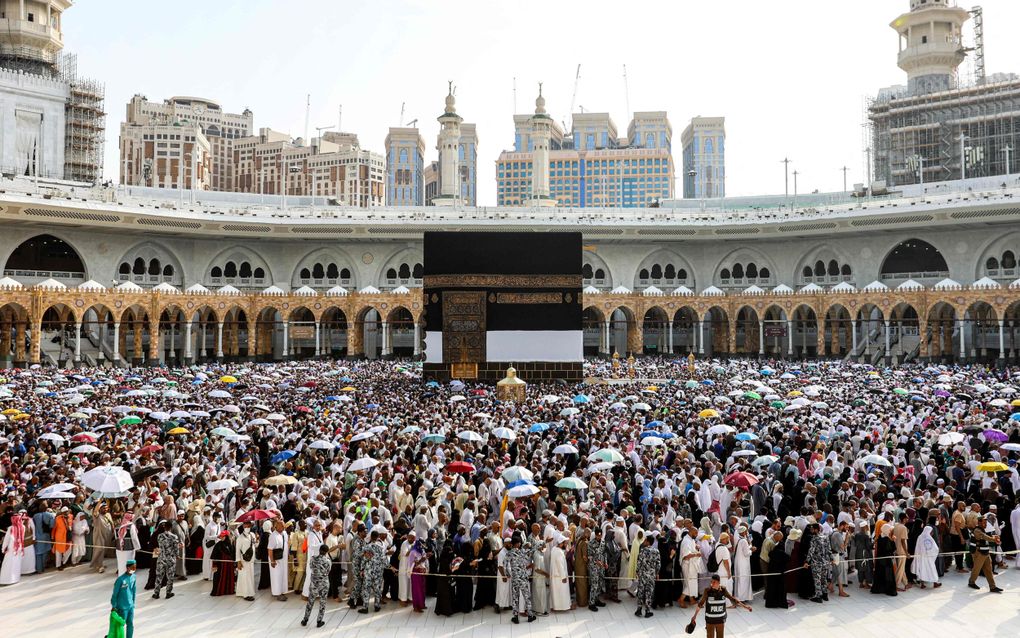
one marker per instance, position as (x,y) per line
(460,467)
(741,480)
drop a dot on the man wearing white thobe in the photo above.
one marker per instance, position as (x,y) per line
(278,561)
(244,556)
(1014,524)
(213,527)
(404,569)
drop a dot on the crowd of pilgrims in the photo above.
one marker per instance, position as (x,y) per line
(788,480)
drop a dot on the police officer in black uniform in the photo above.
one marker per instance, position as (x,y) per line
(714,601)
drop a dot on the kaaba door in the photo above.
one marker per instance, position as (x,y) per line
(463,327)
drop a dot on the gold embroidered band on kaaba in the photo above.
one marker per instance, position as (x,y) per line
(502,281)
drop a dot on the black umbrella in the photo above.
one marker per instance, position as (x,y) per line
(140,475)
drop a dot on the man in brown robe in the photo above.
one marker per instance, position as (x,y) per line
(581,568)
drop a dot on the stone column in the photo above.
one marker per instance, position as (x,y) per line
(605,346)
(1002,339)
(761,337)
(820,338)
(252,338)
(286,336)
(173,352)
(385,326)
(202,353)
(701,337)
(136,345)
(187,343)
(853,338)
(219,340)
(669,336)
(417,339)
(888,348)
(789,338)
(35,346)
(963,340)
(635,338)
(116,342)
(77,342)
(5,341)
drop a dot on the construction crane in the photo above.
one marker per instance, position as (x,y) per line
(413,123)
(979,44)
(573,99)
(320,129)
(626,90)
(401,113)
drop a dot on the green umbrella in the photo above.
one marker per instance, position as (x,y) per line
(900,391)
(129,420)
(607,454)
(752,395)
(858,403)
(433,438)
(571,483)
(691,384)
(778,404)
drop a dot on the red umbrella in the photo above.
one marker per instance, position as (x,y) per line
(303,408)
(308,384)
(478,393)
(741,480)
(150,449)
(85,437)
(257,515)
(460,467)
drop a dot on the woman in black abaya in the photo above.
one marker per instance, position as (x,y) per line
(885,579)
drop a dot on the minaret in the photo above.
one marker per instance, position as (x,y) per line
(449,146)
(541,132)
(931,44)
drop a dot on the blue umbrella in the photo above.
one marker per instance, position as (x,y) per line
(372,406)
(282,456)
(581,399)
(651,433)
(708,382)
(765,372)
(332,397)
(520,482)
(539,427)
(432,384)
(1015,416)
(747,436)
(346,379)
(653,424)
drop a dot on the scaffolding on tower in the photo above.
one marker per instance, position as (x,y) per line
(85,124)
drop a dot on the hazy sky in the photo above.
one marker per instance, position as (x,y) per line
(790,76)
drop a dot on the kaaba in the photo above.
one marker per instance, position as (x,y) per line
(493,300)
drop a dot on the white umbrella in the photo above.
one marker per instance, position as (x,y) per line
(768,459)
(275,417)
(84,449)
(258,422)
(565,448)
(517,473)
(457,397)
(951,438)
(481,415)
(159,416)
(180,414)
(641,407)
(569,411)
(121,409)
(505,433)
(234,438)
(321,445)
(652,441)
(222,484)
(364,463)
(551,398)
(200,414)
(523,491)
(219,394)
(469,435)
(998,403)
(361,436)
(107,478)
(745,453)
(233,409)
(875,459)
(722,428)
(58,488)
(52,436)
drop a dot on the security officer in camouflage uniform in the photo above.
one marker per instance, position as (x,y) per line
(596,570)
(373,566)
(647,570)
(357,566)
(519,561)
(169,548)
(318,587)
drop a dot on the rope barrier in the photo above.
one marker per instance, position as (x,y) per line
(291,558)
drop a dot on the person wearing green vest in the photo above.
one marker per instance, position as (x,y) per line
(123,599)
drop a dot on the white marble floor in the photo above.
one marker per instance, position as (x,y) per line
(76,603)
